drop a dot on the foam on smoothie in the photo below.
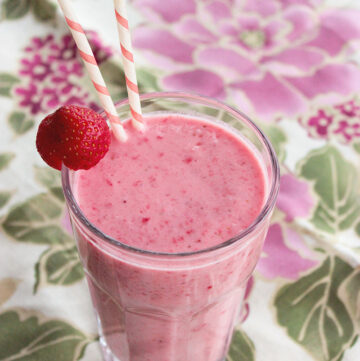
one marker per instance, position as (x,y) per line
(183,185)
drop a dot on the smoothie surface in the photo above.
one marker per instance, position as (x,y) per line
(183,185)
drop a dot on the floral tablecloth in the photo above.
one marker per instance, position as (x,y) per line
(292,65)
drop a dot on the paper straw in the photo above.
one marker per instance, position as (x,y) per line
(128,62)
(92,68)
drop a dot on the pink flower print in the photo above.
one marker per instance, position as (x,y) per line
(340,121)
(198,81)
(285,254)
(101,51)
(350,108)
(170,10)
(253,35)
(347,130)
(37,43)
(94,106)
(271,58)
(52,73)
(65,94)
(35,68)
(30,97)
(320,123)
(294,197)
(66,50)
(64,71)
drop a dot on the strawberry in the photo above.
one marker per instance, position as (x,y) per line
(76,136)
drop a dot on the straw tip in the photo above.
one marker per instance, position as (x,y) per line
(139,126)
(119,132)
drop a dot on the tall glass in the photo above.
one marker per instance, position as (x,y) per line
(153,306)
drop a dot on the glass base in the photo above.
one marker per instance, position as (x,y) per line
(201,345)
(106,352)
(109,356)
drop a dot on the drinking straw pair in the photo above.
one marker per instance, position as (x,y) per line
(94,72)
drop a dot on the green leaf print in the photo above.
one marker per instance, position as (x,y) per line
(59,265)
(15,9)
(350,294)
(5,159)
(47,177)
(19,124)
(313,314)
(50,179)
(115,79)
(37,221)
(8,287)
(5,197)
(7,81)
(28,336)
(241,348)
(277,138)
(357,229)
(44,10)
(336,182)
(357,146)
(147,80)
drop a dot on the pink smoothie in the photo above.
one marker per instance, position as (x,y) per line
(161,191)
(183,185)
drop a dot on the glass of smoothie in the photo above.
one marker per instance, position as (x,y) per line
(170,226)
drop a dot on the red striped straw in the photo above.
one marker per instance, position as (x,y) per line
(92,68)
(128,62)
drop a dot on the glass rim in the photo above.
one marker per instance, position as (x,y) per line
(265,211)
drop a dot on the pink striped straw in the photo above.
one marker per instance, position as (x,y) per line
(92,68)
(128,62)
